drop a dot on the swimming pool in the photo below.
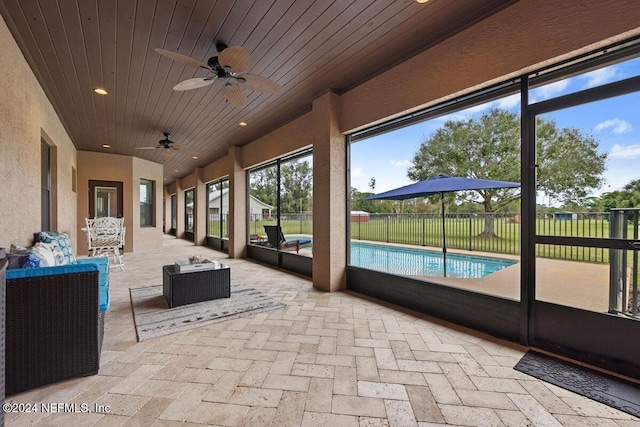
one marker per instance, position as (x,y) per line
(420,262)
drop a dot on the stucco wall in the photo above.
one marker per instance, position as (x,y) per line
(289,138)
(128,170)
(216,170)
(515,40)
(147,237)
(26,116)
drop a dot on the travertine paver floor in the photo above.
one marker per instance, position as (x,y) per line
(327,359)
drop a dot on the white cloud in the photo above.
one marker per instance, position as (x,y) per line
(548,91)
(402,163)
(600,77)
(628,152)
(509,102)
(618,126)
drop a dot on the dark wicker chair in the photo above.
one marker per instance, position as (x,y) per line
(53,329)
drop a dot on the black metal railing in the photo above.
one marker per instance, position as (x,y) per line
(218,225)
(496,232)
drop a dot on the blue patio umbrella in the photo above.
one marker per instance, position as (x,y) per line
(440,184)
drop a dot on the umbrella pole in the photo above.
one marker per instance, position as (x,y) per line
(444,241)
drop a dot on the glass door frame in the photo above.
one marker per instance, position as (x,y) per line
(556,327)
(189,232)
(94,185)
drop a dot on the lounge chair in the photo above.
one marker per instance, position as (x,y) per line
(274,234)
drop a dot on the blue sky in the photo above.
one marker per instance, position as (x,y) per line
(615,123)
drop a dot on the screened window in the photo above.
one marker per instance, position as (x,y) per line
(174,212)
(281,204)
(189,209)
(440,238)
(218,208)
(147,203)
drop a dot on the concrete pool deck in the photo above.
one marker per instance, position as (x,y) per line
(574,284)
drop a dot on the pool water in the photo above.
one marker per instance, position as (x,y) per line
(419,262)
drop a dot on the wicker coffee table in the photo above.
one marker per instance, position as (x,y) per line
(195,286)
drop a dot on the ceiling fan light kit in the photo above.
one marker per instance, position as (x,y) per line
(230,62)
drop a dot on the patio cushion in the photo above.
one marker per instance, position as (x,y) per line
(103,279)
(45,251)
(62,241)
(17,249)
(82,265)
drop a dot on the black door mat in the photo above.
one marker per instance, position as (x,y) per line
(607,389)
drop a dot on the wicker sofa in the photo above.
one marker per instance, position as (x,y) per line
(54,322)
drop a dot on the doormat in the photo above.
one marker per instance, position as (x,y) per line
(154,318)
(607,389)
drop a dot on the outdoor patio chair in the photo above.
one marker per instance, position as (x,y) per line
(105,237)
(277,240)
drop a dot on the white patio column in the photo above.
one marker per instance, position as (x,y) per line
(329,195)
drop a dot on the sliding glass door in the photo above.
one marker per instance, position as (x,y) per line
(583,134)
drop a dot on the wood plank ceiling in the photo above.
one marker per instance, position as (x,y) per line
(307,46)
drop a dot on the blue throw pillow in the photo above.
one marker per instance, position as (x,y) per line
(32,261)
(22,261)
(15,260)
(63,242)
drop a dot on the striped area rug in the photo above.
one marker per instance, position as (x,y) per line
(154,318)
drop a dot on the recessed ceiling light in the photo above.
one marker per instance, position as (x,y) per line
(422,1)
(100,91)
(242,123)
(195,157)
(177,170)
(106,146)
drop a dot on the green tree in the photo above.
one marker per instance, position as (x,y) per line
(263,185)
(569,166)
(632,193)
(488,147)
(296,178)
(296,185)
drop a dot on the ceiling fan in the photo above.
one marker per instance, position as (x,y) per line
(227,66)
(167,146)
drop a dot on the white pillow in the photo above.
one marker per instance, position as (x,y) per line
(50,254)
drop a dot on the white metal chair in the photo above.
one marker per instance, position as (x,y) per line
(105,237)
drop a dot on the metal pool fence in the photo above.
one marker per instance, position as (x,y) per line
(467,231)
(463,230)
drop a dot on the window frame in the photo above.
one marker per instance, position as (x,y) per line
(148,207)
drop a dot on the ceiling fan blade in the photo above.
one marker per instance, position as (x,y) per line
(147,148)
(260,84)
(234,94)
(186,60)
(194,83)
(235,57)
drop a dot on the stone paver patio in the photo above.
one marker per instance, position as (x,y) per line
(327,359)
